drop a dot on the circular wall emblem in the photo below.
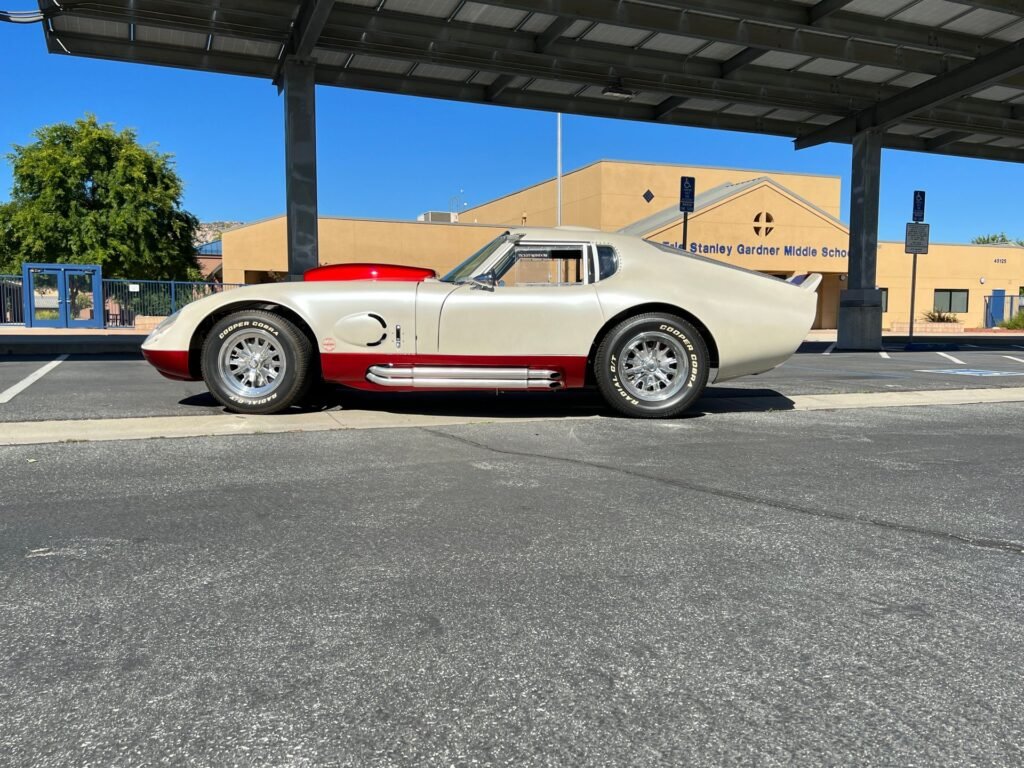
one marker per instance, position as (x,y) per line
(763,224)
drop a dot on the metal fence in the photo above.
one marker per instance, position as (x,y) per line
(12,304)
(999,308)
(125,301)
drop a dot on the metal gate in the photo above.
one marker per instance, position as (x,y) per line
(999,307)
(62,295)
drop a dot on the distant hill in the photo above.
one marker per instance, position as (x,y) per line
(208,231)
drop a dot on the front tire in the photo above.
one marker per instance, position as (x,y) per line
(652,366)
(256,362)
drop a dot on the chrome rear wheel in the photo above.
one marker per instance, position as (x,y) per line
(654,366)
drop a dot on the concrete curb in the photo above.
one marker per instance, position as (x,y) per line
(98,430)
(57,344)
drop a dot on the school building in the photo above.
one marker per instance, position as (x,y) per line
(772,222)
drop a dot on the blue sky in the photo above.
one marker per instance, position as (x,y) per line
(395,156)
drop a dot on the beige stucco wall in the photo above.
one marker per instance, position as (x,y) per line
(948,266)
(731,224)
(262,247)
(609,194)
(535,206)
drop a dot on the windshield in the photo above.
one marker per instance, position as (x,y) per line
(470,266)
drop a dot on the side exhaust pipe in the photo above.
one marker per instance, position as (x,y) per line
(441,377)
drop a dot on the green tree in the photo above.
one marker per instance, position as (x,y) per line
(85,193)
(996,239)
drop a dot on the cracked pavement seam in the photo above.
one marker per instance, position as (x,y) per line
(999,545)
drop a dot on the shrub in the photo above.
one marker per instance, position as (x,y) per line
(937,316)
(1015,323)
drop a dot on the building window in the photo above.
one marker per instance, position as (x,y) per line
(950,300)
(885,299)
(529,264)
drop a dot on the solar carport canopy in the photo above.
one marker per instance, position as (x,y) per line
(932,75)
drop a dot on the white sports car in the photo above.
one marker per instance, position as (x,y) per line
(535,309)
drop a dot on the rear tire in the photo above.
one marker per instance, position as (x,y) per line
(652,366)
(256,362)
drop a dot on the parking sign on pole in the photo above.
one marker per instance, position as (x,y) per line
(687,194)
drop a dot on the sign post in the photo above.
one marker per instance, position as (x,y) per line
(916,243)
(919,196)
(687,192)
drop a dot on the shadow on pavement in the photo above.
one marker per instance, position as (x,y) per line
(505,405)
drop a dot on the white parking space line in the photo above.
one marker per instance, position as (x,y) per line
(1015,359)
(956,360)
(10,393)
(885,355)
(828,351)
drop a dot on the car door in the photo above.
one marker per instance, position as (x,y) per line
(542,303)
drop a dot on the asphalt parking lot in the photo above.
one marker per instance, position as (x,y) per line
(121,386)
(753,588)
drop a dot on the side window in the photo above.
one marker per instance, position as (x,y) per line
(607,262)
(551,265)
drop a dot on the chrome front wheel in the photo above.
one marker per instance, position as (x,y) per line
(251,363)
(256,361)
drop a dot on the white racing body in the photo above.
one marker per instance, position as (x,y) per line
(383,328)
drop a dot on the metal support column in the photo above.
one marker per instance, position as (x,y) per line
(860,306)
(299,86)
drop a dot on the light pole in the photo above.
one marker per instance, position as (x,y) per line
(558,185)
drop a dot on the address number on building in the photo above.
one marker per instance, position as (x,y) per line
(917,238)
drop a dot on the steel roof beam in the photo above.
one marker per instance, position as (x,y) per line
(530,65)
(824,8)
(225,24)
(741,59)
(983,72)
(780,26)
(535,65)
(815,13)
(305,33)
(498,87)
(944,140)
(758,86)
(554,31)
(384,82)
(160,55)
(665,108)
(624,62)
(312,19)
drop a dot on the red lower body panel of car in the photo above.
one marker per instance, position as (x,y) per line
(350,369)
(171,363)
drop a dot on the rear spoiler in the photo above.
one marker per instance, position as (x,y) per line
(809,281)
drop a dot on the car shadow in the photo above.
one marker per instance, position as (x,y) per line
(512,405)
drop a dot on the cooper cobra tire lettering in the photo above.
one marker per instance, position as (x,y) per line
(294,345)
(246,324)
(692,353)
